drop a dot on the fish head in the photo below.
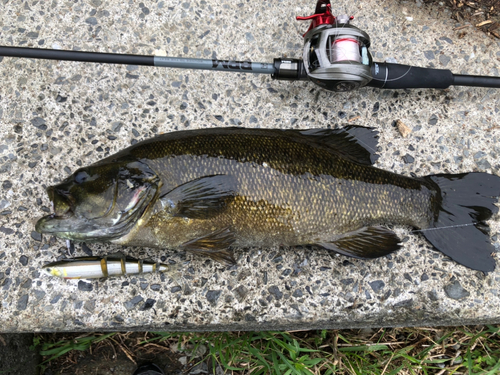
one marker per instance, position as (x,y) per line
(101,202)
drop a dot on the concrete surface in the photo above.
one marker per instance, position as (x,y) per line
(57,116)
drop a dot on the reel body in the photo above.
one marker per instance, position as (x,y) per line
(336,55)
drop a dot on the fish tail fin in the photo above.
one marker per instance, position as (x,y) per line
(459,230)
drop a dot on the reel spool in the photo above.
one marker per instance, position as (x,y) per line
(336,55)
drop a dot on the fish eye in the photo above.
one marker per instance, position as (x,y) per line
(81,177)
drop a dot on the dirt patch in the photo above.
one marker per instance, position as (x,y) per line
(483,14)
(119,355)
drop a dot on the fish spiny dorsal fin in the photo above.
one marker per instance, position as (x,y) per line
(353,142)
(365,243)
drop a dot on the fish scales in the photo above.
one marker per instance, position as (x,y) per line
(288,187)
(207,190)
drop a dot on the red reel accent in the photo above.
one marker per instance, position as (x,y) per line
(319,19)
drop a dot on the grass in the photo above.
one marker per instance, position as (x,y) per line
(415,351)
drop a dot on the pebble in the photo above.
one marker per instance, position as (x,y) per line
(84,286)
(213,296)
(444,60)
(483,164)
(36,236)
(433,120)
(129,305)
(201,368)
(86,249)
(22,303)
(377,285)
(403,129)
(479,155)
(404,303)
(175,289)
(429,55)
(89,306)
(241,292)
(148,304)
(455,291)
(155,287)
(24,260)
(275,291)
(56,298)
(6,230)
(408,159)
(39,123)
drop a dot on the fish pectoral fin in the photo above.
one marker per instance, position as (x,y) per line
(365,243)
(202,198)
(215,245)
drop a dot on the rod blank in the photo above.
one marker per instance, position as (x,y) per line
(95,57)
(162,61)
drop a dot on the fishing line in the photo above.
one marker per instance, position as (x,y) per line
(447,227)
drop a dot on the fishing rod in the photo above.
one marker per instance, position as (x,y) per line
(336,57)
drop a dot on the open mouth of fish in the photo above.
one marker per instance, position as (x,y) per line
(65,223)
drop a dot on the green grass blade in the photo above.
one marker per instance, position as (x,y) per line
(363,348)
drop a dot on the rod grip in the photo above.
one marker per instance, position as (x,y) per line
(398,76)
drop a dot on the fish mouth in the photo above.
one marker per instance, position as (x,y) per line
(115,223)
(63,211)
(62,202)
(63,222)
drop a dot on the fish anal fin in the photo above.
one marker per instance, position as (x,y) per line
(215,245)
(202,198)
(365,243)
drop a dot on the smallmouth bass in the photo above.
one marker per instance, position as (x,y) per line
(208,190)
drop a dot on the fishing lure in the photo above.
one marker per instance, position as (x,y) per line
(101,267)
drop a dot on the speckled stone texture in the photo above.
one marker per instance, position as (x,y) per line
(57,116)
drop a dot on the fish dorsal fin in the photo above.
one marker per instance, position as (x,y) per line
(202,198)
(353,142)
(365,243)
(214,245)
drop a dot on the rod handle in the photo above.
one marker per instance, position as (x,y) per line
(398,76)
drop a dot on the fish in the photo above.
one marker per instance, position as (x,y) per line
(209,191)
(102,267)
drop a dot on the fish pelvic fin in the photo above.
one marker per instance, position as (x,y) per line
(365,243)
(459,229)
(215,246)
(202,198)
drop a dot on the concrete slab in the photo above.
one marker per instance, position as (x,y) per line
(57,116)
